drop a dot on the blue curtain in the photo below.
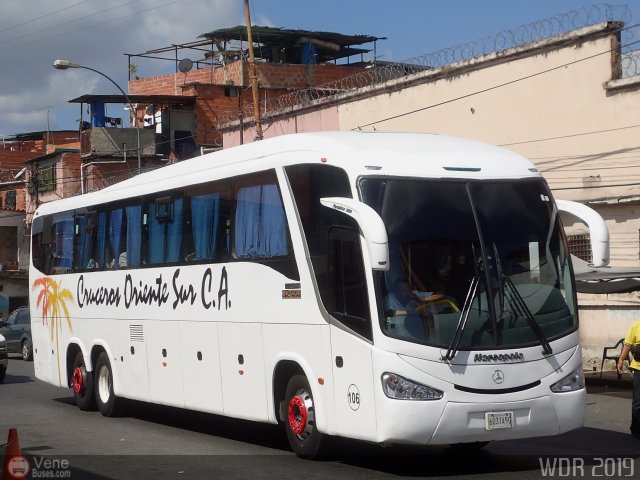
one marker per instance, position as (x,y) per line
(115,229)
(174,232)
(79,249)
(64,242)
(260,227)
(134,235)
(101,237)
(165,237)
(272,240)
(247,221)
(205,215)
(156,236)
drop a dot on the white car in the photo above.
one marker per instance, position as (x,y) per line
(4,359)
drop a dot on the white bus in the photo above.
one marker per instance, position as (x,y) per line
(396,288)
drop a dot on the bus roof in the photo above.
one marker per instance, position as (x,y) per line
(359,153)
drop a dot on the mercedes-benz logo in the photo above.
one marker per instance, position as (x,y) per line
(498,376)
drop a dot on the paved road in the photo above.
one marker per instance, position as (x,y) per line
(161,442)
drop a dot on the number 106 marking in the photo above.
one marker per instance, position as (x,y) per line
(353,396)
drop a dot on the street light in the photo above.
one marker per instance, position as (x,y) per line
(64,64)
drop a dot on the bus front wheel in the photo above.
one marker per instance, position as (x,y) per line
(82,383)
(108,404)
(300,421)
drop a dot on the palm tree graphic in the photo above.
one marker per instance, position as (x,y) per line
(53,299)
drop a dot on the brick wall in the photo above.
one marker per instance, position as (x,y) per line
(270,75)
(208,87)
(70,175)
(20,198)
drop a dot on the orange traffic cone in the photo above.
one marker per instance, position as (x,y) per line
(15,465)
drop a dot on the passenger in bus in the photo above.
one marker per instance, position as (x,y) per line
(92,264)
(401,311)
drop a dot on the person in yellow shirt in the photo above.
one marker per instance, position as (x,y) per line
(632,345)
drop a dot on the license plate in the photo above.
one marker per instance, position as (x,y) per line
(498,420)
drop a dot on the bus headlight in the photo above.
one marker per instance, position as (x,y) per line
(398,387)
(572,382)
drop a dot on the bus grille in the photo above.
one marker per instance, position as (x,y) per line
(136,333)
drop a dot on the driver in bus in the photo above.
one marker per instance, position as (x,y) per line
(401,311)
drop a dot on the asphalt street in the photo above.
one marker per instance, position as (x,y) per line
(61,441)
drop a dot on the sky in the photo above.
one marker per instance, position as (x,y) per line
(98,34)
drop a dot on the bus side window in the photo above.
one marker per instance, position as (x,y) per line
(165,229)
(131,256)
(41,244)
(349,302)
(85,234)
(204,222)
(62,236)
(310,183)
(260,223)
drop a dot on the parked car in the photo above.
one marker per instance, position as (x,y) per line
(4,359)
(16,330)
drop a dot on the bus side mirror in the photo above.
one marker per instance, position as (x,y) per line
(371,227)
(598,231)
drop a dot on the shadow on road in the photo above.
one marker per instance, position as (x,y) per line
(266,435)
(8,379)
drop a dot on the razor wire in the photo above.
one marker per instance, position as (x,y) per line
(376,74)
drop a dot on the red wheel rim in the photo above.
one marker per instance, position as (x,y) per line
(297,415)
(78,381)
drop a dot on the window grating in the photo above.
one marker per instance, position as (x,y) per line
(580,246)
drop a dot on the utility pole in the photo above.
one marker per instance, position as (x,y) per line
(252,74)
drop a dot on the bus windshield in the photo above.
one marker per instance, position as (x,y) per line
(473,264)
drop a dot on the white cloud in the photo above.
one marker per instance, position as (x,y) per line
(93,33)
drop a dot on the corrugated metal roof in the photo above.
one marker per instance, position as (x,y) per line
(342,45)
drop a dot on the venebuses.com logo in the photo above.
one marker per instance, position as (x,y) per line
(19,467)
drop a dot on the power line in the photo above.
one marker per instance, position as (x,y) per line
(501,85)
(100,12)
(35,19)
(67,32)
(571,135)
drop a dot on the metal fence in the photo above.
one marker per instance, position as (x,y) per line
(504,40)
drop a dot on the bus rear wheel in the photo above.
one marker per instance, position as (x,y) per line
(108,404)
(300,421)
(82,383)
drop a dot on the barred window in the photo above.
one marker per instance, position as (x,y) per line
(47,177)
(580,246)
(10,200)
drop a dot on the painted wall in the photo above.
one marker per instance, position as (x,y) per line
(316,121)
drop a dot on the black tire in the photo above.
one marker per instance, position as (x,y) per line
(82,383)
(26,350)
(3,372)
(302,432)
(108,404)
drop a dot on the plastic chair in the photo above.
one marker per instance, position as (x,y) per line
(606,356)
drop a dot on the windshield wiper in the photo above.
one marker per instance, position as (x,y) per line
(521,308)
(519,305)
(462,322)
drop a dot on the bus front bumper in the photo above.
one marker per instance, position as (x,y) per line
(447,422)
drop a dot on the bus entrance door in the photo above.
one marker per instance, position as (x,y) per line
(353,385)
(349,306)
